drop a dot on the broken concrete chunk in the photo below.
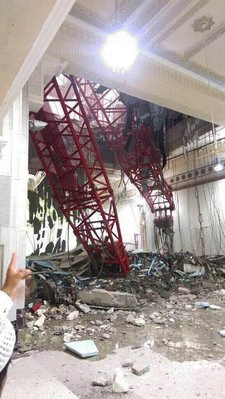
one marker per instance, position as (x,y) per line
(157,318)
(105,336)
(214,307)
(130,318)
(183,290)
(83,307)
(101,297)
(73,315)
(119,385)
(83,348)
(128,363)
(101,382)
(202,305)
(139,322)
(67,337)
(98,322)
(58,331)
(40,322)
(90,330)
(139,370)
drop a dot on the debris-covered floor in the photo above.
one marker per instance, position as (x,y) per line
(160,314)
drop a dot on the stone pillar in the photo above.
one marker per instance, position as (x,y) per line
(13,183)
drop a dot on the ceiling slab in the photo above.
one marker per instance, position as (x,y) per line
(26,29)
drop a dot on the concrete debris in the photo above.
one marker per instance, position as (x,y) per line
(101,297)
(83,307)
(202,305)
(40,322)
(58,331)
(98,322)
(128,363)
(149,343)
(105,336)
(119,385)
(67,337)
(90,330)
(214,307)
(183,290)
(157,318)
(84,349)
(138,369)
(73,315)
(101,382)
(139,322)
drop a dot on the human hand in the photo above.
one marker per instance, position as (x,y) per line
(14,276)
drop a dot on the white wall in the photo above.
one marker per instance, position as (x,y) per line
(186,219)
(13,181)
(210,240)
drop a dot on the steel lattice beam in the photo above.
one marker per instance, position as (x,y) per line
(71,159)
(141,163)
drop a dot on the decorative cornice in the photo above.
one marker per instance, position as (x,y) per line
(50,27)
(186,17)
(205,42)
(202,24)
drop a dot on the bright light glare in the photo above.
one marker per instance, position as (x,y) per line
(218,167)
(120,51)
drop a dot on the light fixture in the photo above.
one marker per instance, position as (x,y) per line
(120,51)
(218,166)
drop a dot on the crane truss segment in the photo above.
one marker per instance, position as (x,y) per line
(141,162)
(71,158)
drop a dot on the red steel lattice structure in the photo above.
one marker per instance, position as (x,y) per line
(141,162)
(71,159)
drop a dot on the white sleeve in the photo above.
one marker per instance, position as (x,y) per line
(5,303)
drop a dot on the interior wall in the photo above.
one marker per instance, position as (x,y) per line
(48,232)
(199,219)
(13,180)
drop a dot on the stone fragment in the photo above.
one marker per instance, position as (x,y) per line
(221,292)
(183,290)
(101,382)
(139,322)
(202,305)
(139,369)
(130,318)
(98,322)
(222,333)
(40,322)
(58,331)
(105,336)
(67,337)
(120,385)
(157,318)
(128,363)
(101,297)
(149,343)
(90,330)
(73,315)
(214,307)
(83,307)
(79,327)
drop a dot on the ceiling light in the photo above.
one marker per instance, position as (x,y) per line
(218,166)
(120,51)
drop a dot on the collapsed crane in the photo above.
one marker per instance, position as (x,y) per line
(132,142)
(71,158)
(74,110)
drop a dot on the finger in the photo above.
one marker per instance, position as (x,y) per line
(12,264)
(24,274)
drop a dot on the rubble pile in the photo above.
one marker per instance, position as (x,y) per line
(155,302)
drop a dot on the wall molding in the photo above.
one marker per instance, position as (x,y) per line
(40,45)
